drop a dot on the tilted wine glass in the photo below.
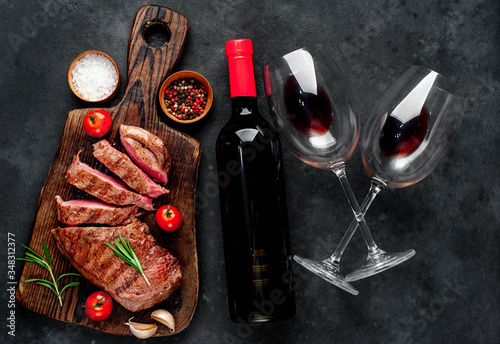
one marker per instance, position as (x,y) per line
(313,110)
(406,136)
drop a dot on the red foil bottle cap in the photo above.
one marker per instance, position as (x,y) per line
(241,75)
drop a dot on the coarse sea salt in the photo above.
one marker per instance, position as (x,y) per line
(94,77)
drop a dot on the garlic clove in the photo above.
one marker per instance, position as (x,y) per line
(140,326)
(165,317)
(140,330)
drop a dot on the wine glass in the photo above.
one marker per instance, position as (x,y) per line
(406,136)
(313,110)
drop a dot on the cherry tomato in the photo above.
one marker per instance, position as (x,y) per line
(97,122)
(98,305)
(168,218)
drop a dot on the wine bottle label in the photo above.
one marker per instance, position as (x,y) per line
(260,272)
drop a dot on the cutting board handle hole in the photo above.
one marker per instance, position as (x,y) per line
(156,33)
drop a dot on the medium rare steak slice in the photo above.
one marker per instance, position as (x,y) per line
(148,151)
(86,249)
(87,211)
(121,165)
(104,187)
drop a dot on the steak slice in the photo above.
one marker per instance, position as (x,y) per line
(148,151)
(86,249)
(121,165)
(104,187)
(86,211)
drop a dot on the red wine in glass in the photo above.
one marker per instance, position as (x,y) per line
(399,139)
(310,114)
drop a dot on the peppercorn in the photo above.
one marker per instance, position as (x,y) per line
(185,99)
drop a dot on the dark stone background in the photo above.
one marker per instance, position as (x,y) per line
(447,293)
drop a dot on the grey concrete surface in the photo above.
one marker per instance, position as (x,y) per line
(447,293)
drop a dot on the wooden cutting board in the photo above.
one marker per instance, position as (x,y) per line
(147,68)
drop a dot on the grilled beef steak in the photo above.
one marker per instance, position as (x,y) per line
(121,165)
(86,249)
(147,150)
(104,187)
(87,211)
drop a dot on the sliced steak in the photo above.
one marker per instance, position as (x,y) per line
(86,249)
(148,151)
(121,165)
(86,211)
(104,187)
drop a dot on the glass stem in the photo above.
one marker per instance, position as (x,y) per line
(359,219)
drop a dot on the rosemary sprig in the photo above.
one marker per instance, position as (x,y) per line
(125,252)
(46,262)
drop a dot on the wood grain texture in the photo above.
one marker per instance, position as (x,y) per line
(147,68)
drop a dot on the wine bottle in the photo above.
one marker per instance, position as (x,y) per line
(253,203)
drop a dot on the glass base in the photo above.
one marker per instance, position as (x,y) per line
(328,272)
(378,263)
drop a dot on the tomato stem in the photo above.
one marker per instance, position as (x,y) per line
(99,303)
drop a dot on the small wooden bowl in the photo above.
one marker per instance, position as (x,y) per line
(186,74)
(70,76)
